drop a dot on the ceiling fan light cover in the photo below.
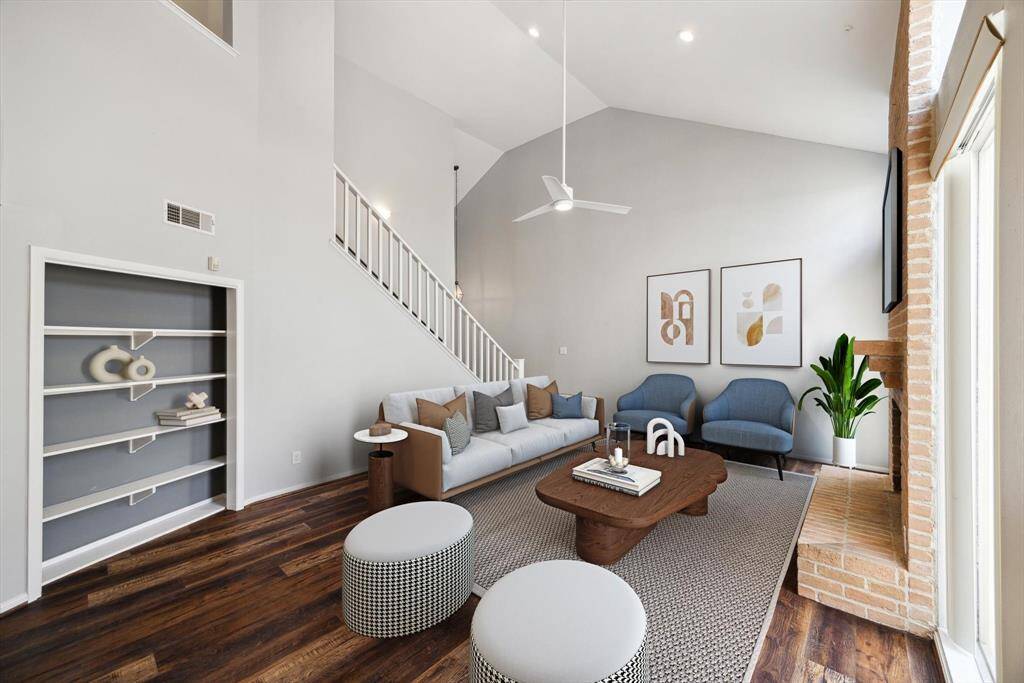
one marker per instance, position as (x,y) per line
(563,205)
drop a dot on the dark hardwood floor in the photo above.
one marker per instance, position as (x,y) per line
(255,595)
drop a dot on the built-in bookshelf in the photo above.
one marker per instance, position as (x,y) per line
(104,474)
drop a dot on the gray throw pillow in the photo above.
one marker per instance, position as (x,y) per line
(457,430)
(485,418)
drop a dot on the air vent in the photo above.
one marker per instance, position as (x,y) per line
(187,217)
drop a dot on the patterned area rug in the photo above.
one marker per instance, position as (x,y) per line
(708,584)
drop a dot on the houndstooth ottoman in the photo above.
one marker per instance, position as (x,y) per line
(559,622)
(407,568)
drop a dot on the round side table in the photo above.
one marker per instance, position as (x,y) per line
(381,491)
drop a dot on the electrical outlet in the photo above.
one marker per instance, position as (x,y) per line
(296,457)
(563,350)
(213,263)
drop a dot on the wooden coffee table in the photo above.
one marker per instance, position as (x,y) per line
(609,523)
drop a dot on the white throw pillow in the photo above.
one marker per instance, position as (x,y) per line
(513,417)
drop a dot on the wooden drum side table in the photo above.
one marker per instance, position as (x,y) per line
(381,489)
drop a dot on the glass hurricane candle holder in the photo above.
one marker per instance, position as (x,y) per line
(617,445)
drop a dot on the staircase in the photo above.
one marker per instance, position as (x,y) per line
(363,235)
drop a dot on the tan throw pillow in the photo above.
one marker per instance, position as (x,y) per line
(433,415)
(538,401)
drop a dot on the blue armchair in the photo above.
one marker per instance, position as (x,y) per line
(672,397)
(754,414)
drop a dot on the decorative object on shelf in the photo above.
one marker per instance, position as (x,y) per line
(846,398)
(381,493)
(380,429)
(98,364)
(762,314)
(188,417)
(679,317)
(196,400)
(673,440)
(617,445)
(140,369)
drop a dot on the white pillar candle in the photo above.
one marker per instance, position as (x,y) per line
(618,456)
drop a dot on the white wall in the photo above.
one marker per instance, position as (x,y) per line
(399,151)
(703,197)
(110,107)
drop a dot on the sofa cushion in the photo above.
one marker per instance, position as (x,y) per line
(431,414)
(538,400)
(743,434)
(567,407)
(527,444)
(638,419)
(457,430)
(519,386)
(485,415)
(481,457)
(401,407)
(489,388)
(571,430)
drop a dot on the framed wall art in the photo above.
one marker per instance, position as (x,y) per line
(762,314)
(679,317)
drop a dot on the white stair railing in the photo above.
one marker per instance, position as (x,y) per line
(362,234)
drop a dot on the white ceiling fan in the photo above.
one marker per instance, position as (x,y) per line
(561,194)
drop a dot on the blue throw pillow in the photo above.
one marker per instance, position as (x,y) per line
(563,408)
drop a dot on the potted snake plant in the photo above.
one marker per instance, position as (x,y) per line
(846,397)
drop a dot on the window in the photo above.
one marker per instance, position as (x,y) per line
(214,15)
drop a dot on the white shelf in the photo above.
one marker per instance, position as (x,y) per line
(78,558)
(118,437)
(57,389)
(91,500)
(139,335)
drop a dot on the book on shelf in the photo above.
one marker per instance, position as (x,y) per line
(203,419)
(183,413)
(616,487)
(635,479)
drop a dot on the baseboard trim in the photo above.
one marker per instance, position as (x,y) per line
(10,603)
(305,485)
(826,461)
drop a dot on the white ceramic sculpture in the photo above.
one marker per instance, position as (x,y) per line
(196,400)
(98,364)
(139,369)
(673,440)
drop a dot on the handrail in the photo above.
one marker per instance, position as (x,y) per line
(485,359)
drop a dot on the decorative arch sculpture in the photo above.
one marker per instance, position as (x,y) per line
(673,439)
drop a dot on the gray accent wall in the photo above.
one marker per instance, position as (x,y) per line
(703,197)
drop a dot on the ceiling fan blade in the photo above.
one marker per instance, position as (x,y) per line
(601,206)
(536,212)
(555,188)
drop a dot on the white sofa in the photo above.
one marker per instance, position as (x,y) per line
(425,464)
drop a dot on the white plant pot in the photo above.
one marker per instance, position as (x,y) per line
(844,451)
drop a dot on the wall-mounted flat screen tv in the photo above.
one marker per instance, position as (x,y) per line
(892,233)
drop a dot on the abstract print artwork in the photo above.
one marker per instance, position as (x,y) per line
(762,316)
(679,317)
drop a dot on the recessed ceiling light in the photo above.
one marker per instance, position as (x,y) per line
(534,32)
(686,36)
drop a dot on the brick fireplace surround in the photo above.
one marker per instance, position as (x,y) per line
(868,545)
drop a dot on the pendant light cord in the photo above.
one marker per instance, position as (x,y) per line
(564,71)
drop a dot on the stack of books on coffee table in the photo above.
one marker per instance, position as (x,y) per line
(635,481)
(187,417)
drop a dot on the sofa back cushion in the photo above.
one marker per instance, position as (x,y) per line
(666,392)
(485,417)
(538,401)
(758,400)
(431,414)
(401,407)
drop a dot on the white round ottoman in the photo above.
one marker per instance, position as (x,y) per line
(559,622)
(407,568)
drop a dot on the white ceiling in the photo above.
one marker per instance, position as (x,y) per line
(784,67)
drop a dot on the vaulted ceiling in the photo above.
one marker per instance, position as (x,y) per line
(810,70)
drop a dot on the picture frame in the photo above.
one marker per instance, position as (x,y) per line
(679,317)
(761,314)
